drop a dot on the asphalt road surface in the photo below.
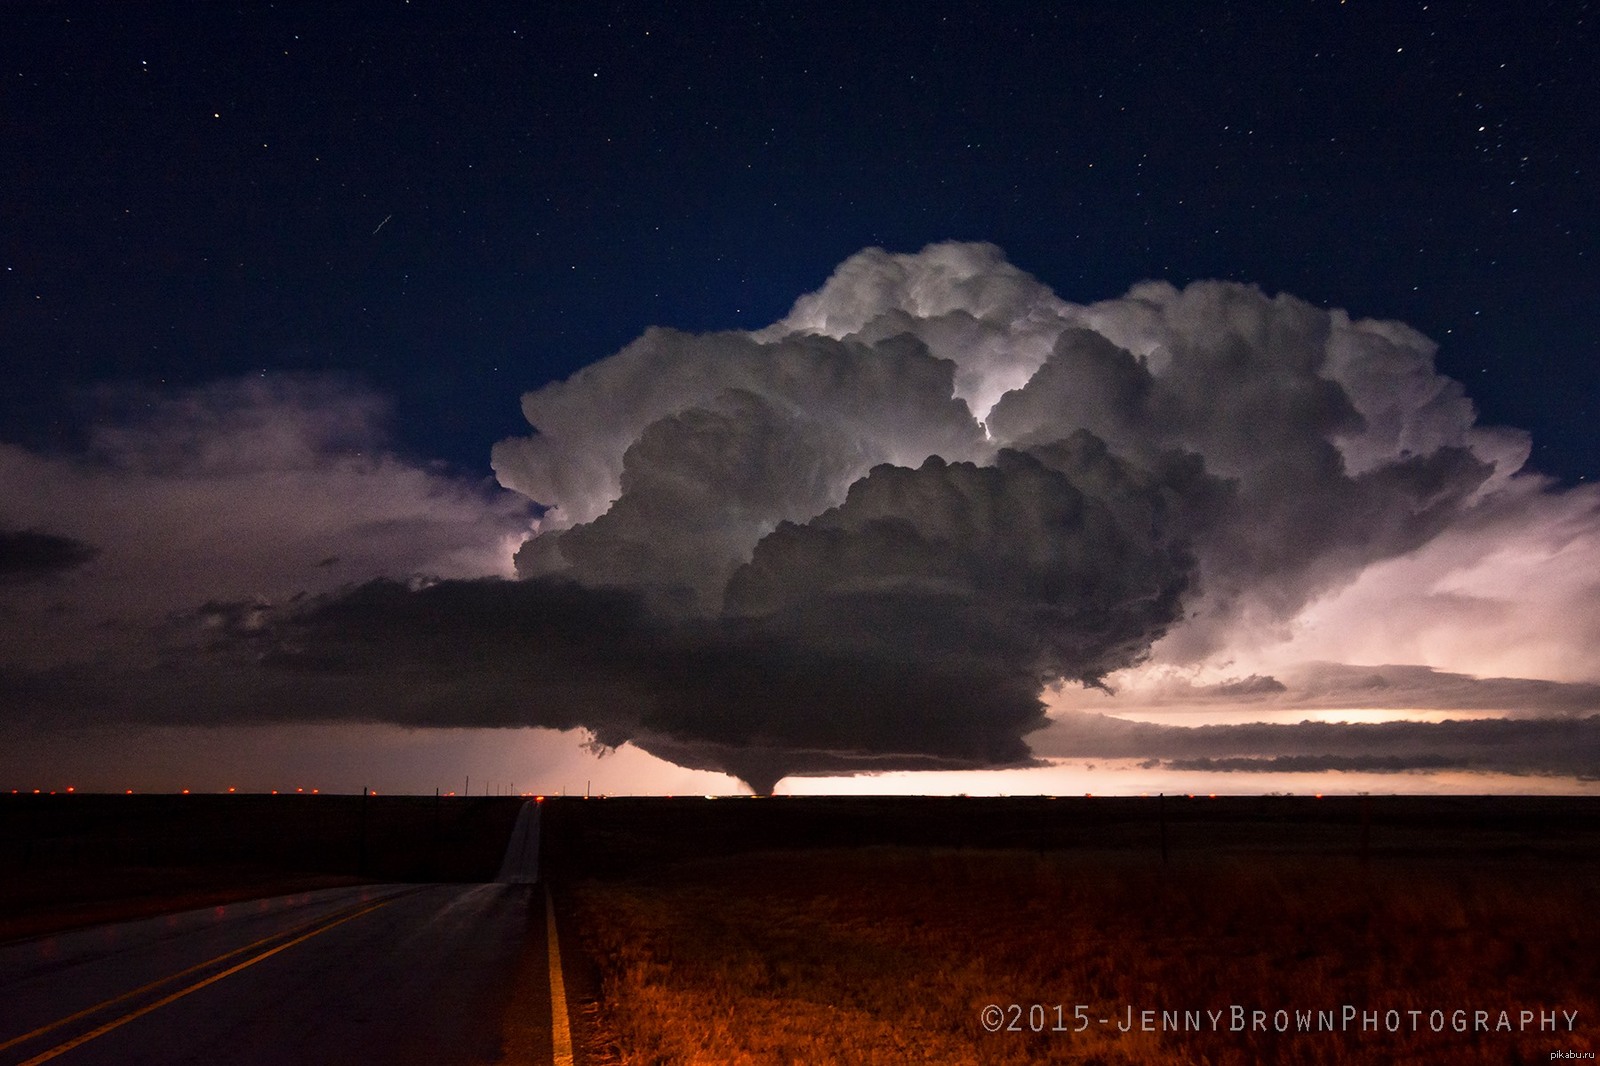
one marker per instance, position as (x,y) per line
(435,974)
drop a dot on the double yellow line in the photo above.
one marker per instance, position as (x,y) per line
(297,935)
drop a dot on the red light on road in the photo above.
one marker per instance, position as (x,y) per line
(231,788)
(185,792)
(274,792)
(536,799)
(129,792)
(299,790)
(71,789)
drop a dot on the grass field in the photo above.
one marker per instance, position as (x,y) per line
(884,952)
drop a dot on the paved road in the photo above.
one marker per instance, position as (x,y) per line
(521,863)
(434,974)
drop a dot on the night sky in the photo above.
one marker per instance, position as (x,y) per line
(460,202)
(275,278)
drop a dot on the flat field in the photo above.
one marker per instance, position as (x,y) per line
(75,860)
(905,931)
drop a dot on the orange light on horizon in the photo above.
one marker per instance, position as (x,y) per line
(71,789)
(129,792)
(231,788)
(313,792)
(185,792)
(299,790)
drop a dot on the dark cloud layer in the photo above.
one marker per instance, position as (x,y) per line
(27,554)
(1319,764)
(1567,746)
(1339,686)
(749,696)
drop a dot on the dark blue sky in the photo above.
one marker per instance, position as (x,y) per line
(459,202)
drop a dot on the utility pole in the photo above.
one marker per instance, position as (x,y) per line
(361,850)
(1161,805)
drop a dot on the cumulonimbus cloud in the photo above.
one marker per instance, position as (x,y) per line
(871,534)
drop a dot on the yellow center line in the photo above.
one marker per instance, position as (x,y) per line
(62,1049)
(158,982)
(560,1030)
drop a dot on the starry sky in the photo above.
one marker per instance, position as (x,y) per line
(379,224)
(457,203)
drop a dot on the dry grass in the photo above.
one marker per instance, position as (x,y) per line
(888,954)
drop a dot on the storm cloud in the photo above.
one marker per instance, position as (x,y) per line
(1176,472)
(29,555)
(870,536)
(255,491)
(1564,746)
